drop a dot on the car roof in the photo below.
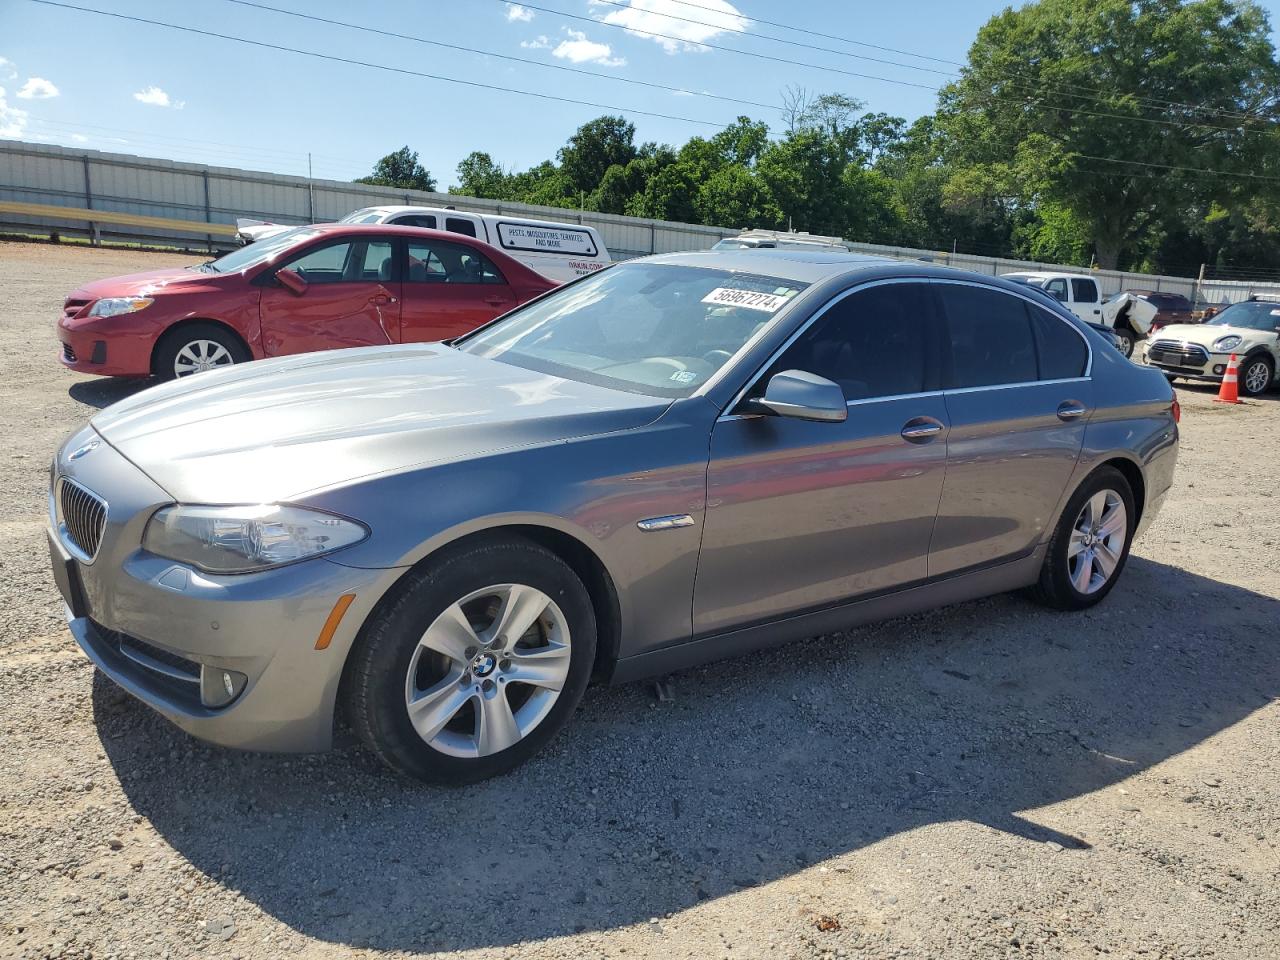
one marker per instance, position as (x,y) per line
(393,209)
(1043,274)
(816,266)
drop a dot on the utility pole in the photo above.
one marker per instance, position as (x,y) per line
(311,192)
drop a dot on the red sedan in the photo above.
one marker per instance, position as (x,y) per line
(311,288)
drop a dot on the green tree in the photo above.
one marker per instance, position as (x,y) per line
(1054,85)
(402,170)
(479,176)
(595,147)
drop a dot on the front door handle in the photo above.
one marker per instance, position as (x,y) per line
(381,298)
(1071,410)
(921,429)
(496,301)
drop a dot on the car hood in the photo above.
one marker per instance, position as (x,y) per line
(278,429)
(140,284)
(1206,334)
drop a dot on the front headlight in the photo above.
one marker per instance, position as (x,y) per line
(1223,344)
(115,306)
(245,539)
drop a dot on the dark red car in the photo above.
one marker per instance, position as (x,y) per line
(310,288)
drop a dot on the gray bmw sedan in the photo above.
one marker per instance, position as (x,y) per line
(677,459)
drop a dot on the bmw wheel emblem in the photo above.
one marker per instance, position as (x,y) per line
(87,448)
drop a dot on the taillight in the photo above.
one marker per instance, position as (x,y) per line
(1176,410)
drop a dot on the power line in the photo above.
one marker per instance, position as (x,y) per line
(824,36)
(864,76)
(626,5)
(1092,95)
(377,66)
(1167,166)
(503,56)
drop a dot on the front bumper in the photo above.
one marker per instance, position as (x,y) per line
(85,346)
(164,632)
(1211,371)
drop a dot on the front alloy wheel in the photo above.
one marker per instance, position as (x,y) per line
(1256,376)
(474,662)
(199,356)
(488,670)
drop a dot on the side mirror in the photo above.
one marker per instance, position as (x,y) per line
(803,396)
(1057,295)
(292,281)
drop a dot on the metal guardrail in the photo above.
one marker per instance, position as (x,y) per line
(49,211)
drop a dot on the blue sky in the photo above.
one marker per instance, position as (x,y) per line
(84,80)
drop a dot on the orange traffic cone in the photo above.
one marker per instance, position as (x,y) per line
(1230,392)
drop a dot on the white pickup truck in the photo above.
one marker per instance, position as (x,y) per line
(558,251)
(1079,293)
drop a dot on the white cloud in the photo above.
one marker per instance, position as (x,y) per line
(37,88)
(13,122)
(7,70)
(645,17)
(518,14)
(155,97)
(541,43)
(579,49)
(79,138)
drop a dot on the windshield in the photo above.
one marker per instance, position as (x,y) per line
(1251,315)
(364,215)
(656,329)
(260,252)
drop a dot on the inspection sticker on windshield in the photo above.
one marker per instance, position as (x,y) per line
(751,299)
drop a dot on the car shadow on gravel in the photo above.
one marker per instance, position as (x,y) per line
(106,390)
(757,768)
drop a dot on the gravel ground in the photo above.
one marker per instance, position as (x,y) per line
(987,780)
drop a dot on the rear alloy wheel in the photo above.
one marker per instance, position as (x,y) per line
(1255,376)
(481,659)
(197,348)
(1090,545)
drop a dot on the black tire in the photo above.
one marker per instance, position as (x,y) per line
(1125,341)
(1055,588)
(177,339)
(1172,378)
(374,686)
(1247,366)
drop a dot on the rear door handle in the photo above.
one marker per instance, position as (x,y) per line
(495,301)
(921,429)
(1071,410)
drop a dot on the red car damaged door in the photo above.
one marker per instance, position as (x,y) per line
(351,298)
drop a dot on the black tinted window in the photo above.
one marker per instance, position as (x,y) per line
(1085,291)
(874,343)
(991,340)
(458,225)
(1063,353)
(417,220)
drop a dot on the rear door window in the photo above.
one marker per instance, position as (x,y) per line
(424,220)
(459,225)
(991,338)
(1061,349)
(1084,291)
(439,261)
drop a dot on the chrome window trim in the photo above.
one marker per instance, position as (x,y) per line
(884,281)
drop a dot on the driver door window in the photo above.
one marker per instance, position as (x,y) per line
(879,342)
(1057,289)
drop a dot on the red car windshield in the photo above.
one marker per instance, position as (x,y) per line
(261,252)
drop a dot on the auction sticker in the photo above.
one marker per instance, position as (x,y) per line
(751,299)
